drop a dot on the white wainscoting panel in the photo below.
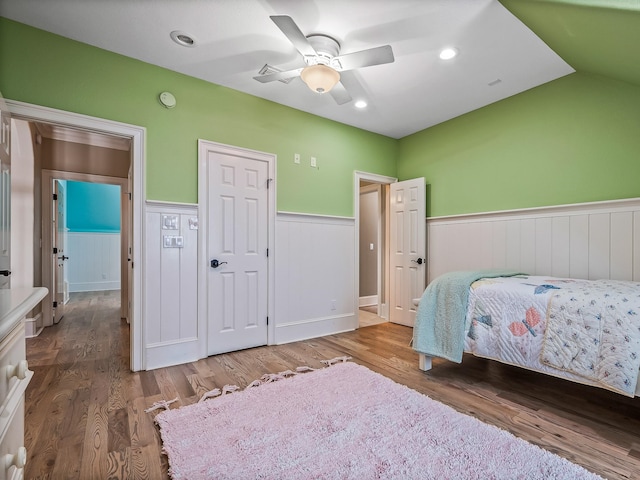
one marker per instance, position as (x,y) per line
(94,261)
(170,288)
(315,277)
(588,240)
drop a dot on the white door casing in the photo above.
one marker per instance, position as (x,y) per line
(407,248)
(236,231)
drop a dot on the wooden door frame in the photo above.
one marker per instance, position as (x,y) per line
(382,180)
(48,176)
(205,146)
(137,135)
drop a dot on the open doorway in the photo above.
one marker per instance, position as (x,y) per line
(89,249)
(90,238)
(372,232)
(372,256)
(401,231)
(83,127)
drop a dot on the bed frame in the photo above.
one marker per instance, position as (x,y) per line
(598,240)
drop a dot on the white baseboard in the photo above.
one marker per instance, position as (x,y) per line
(165,354)
(368,301)
(32,327)
(316,327)
(94,286)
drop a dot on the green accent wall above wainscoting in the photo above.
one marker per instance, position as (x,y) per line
(46,69)
(573,140)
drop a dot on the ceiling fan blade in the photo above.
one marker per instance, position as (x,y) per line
(272,77)
(293,33)
(366,58)
(340,94)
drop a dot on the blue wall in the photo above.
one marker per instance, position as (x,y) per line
(93,207)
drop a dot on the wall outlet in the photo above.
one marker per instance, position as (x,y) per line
(314,162)
(333,304)
(296,158)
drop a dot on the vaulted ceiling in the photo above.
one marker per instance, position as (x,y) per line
(504,47)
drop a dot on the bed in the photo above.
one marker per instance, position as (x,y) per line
(586,331)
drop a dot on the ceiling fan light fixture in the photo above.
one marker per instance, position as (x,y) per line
(361,104)
(320,78)
(448,53)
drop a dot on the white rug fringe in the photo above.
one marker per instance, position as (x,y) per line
(328,363)
(161,404)
(266,378)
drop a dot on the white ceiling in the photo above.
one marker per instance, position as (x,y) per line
(235,38)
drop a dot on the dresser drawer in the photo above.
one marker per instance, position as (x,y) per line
(13,364)
(13,444)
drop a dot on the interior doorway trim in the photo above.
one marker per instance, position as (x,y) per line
(137,134)
(48,176)
(357,178)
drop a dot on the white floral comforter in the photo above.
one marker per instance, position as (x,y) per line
(593,330)
(507,320)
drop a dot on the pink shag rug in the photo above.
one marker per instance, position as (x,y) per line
(344,422)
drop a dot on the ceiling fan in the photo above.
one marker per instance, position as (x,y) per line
(324,63)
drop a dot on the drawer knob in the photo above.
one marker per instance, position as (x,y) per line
(19,459)
(19,370)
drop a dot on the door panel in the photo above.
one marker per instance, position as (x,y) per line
(408,247)
(238,239)
(59,257)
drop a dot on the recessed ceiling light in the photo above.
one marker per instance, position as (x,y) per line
(361,104)
(448,53)
(183,39)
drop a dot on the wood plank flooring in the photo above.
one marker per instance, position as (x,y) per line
(85,414)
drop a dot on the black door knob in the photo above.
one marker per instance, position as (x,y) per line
(215,263)
(419,261)
(5,273)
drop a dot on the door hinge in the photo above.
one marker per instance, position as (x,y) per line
(55,250)
(129,195)
(267,320)
(269,180)
(55,196)
(267,252)
(55,304)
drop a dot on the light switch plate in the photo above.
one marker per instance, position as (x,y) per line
(169,222)
(173,241)
(314,163)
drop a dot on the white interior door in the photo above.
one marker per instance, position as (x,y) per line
(5,194)
(236,248)
(59,257)
(407,248)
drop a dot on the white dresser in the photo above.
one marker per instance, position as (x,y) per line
(14,377)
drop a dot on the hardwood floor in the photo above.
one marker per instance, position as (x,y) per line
(85,414)
(368,316)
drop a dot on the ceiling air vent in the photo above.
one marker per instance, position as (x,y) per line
(268,69)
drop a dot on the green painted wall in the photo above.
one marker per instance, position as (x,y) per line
(45,69)
(576,139)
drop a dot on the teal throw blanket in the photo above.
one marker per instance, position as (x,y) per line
(441,315)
